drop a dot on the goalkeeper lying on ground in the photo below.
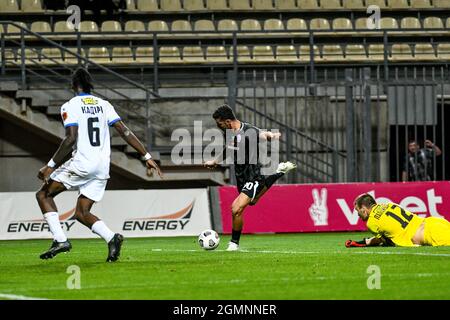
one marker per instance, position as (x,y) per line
(394,226)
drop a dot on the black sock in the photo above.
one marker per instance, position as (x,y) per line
(270,180)
(235,236)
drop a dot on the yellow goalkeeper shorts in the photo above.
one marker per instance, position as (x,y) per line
(437,232)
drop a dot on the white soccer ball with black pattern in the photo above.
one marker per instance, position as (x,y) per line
(209,239)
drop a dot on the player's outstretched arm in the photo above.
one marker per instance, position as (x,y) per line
(64,150)
(133,141)
(366,242)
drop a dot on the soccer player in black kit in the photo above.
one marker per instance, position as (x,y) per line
(251,183)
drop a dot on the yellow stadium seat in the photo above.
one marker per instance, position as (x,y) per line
(401,51)
(169,55)
(305,53)
(61,26)
(388,23)
(41,27)
(13,29)
(144,55)
(147,5)
(243,54)
(250,25)
(331,4)
(342,24)
(447,24)
(31,6)
(217,54)
(263,54)
(227,25)
(170,5)
(218,5)
(99,55)
(273,24)
(355,52)
(319,24)
(30,55)
(354,4)
(379,3)
(134,26)
(361,24)
(421,4)
(308,4)
(433,23)
(51,56)
(410,23)
(204,25)
(332,53)
(376,52)
(296,24)
(131,5)
(193,5)
(424,51)
(443,50)
(285,5)
(88,26)
(111,26)
(181,25)
(122,55)
(240,5)
(158,26)
(9,6)
(398,4)
(442,4)
(72,59)
(263,5)
(193,54)
(286,54)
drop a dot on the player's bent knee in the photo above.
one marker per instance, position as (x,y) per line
(41,195)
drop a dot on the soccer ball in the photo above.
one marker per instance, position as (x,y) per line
(209,239)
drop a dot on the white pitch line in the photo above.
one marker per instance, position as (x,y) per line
(17,297)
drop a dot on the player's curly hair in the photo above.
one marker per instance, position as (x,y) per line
(365,200)
(224,112)
(83,80)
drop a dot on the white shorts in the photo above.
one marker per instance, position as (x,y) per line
(90,187)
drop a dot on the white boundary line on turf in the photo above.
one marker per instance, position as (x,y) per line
(16,297)
(318,252)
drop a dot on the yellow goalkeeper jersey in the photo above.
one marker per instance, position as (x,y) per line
(393,223)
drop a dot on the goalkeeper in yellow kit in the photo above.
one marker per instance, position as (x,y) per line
(394,226)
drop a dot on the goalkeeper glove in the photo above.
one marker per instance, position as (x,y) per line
(352,243)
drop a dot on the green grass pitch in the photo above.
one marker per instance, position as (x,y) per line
(276,266)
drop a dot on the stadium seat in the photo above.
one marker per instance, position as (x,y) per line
(273,24)
(376,52)
(158,26)
(332,53)
(41,27)
(10,56)
(443,50)
(204,25)
(71,59)
(99,55)
(250,25)
(9,6)
(193,5)
(424,51)
(388,23)
(421,4)
(170,5)
(401,51)
(88,26)
(217,54)
(147,5)
(131,5)
(441,4)
(361,24)
(13,29)
(433,23)
(342,24)
(286,54)
(354,4)
(31,6)
(243,54)
(263,54)
(447,23)
(296,24)
(331,4)
(181,25)
(355,52)
(305,53)
(263,5)
(285,5)
(240,5)
(144,55)
(398,4)
(227,25)
(379,3)
(51,56)
(61,26)
(217,5)
(134,26)
(111,26)
(169,55)
(122,55)
(193,54)
(319,24)
(308,4)
(410,23)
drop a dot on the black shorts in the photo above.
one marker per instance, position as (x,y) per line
(251,187)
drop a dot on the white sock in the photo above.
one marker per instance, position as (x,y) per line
(102,230)
(52,219)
